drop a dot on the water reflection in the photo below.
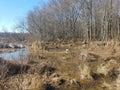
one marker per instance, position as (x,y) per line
(21,54)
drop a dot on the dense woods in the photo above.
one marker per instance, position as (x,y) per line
(75,19)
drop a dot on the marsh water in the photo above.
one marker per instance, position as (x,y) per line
(20,54)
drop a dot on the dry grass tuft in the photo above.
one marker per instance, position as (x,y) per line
(12,68)
(85,71)
(35,47)
(26,82)
(106,67)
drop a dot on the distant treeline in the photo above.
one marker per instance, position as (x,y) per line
(6,35)
(17,36)
(75,19)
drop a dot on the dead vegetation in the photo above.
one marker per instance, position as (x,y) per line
(82,68)
(8,68)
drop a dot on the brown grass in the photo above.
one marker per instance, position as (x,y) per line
(92,66)
(8,68)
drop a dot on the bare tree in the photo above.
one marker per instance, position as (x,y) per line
(75,19)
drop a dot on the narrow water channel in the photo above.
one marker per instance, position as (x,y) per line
(20,54)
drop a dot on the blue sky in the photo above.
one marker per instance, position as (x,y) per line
(11,11)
